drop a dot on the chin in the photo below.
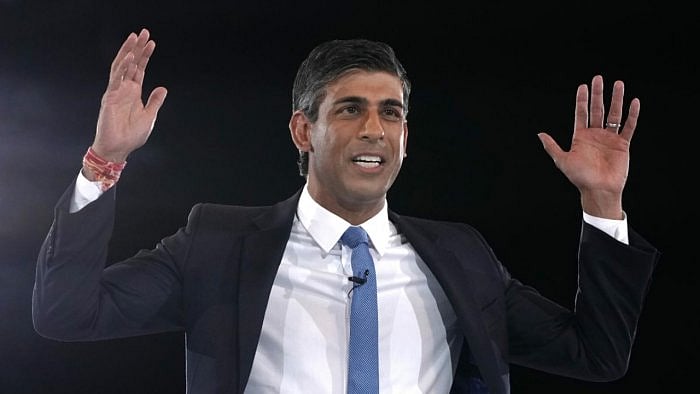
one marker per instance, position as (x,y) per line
(366,193)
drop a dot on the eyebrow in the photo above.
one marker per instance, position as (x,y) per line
(361,100)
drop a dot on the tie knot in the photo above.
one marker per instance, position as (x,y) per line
(354,236)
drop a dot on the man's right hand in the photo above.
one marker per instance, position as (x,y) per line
(125,123)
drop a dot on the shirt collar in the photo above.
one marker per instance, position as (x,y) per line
(326,228)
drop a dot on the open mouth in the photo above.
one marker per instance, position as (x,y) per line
(367,161)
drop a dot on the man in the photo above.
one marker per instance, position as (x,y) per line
(262,293)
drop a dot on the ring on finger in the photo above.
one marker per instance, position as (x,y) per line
(612,125)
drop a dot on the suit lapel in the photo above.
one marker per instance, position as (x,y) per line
(261,253)
(459,283)
(262,250)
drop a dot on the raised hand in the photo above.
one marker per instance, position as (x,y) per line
(598,161)
(125,123)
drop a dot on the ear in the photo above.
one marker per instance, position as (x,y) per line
(405,139)
(300,128)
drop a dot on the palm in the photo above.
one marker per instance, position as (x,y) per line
(598,159)
(124,122)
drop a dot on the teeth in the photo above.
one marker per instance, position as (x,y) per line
(368,159)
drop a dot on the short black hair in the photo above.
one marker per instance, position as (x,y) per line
(333,59)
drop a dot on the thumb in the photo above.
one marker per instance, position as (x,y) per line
(156,100)
(550,146)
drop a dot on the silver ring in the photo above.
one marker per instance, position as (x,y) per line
(613,125)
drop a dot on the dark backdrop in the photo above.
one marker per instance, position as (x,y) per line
(486,79)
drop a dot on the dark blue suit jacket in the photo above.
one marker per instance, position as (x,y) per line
(213,277)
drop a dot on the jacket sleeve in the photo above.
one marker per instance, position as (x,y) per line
(78,297)
(594,341)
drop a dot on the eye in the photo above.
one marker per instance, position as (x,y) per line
(350,109)
(392,112)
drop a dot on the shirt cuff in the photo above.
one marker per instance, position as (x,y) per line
(84,193)
(614,228)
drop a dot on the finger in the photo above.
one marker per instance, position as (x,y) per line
(143,62)
(141,43)
(156,100)
(631,121)
(551,147)
(131,71)
(615,113)
(146,53)
(597,107)
(126,47)
(581,112)
(117,76)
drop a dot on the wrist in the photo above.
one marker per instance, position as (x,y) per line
(113,157)
(603,205)
(97,168)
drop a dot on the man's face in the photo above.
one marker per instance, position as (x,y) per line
(358,142)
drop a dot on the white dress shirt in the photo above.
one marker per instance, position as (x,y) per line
(304,339)
(304,342)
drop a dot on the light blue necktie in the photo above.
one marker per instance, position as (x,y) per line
(363,354)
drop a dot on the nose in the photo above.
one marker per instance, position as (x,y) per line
(372,129)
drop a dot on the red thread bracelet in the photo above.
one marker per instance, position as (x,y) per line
(106,172)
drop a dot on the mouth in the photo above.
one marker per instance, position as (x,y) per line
(368,161)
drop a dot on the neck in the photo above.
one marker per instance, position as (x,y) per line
(353,212)
(354,215)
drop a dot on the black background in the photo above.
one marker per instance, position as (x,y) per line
(486,79)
